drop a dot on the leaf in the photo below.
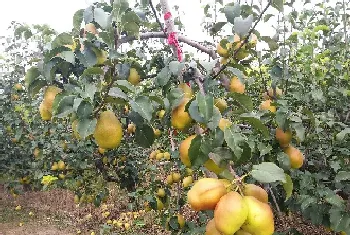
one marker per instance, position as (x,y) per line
(35,87)
(213,122)
(78,19)
(32,74)
(264,149)
(88,15)
(244,100)
(62,39)
(175,67)
(231,12)
(86,127)
(118,93)
(93,71)
(341,135)
(123,71)
(196,156)
(125,86)
(288,186)
(255,121)
(68,56)
(143,106)
(267,17)
(234,140)
(335,200)
(242,26)
(102,18)
(342,175)
(205,106)
(268,172)
(144,136)
(89,91)
(278,4)
(273,44)
(175,96)
(217,27)
(221,155)
(84,110)
(63,105)
(193,110)
(299,130)
(163,76)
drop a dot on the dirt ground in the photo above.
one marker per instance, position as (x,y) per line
(31,228)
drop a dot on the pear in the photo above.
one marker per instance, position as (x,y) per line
(183,149)
(260,219)
(237,86)
(256,191)
(108,131)
(205,194)
(283,137)
(230,213)
(44,112)
(296,157)
(210,229)
(134,77)
(180,119)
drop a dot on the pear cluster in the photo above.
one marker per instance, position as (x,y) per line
(234,214)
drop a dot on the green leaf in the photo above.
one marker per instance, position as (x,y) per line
(242,26)
(273,45)
(175,67)
(32,74)
(288,186)
(119,7)
(267,17)
(342,175)
(299,130)
(132,28)
(163,76)
(175,96)
(68,56)
(84,110)
(143,106)
(341,135)
(144,136)
(205,106)
(268,172)
(244,100)
(62,39)
(78,19)
(217,27)
(102,18)
(340,220)
(264,149)
(125,86)
(255,121)
(213,122)
(118,93)
(35,87)
(221,156)
(231,12)
(89,91)
(335,200)
(234,140)
(278,4)
(86,127)
(63,105)
(93,71)
(193,110)
(197,157)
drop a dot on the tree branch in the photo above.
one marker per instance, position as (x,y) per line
(157,19)
(246,39)
(183,39)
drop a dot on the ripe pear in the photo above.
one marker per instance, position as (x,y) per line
(222,51)
(159,156)
(183,149)
(224,123)
(270,93)
(205,194)
(176,177)
(283,138)
(296,157)
(256,191)
(187,181)
(161,114)
(169,179)
(18,86)
(101,55)
(54,167)
(134,77)
(210,229)
(91,28)
(230,213)
(131,128)
(211,166)
(157,133)
(160,204)
(266,105)
(160,192)
(187,90)
(237,86)
(167,155)
(180,119)
(260,219)
(221,104)
(108,131)
(101,150)
(61,166)
(44,112)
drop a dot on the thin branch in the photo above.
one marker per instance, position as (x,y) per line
(157,19)
(183,39)
(246,39)
(275,202)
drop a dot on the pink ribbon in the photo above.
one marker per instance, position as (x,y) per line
(167,16)
(172,39)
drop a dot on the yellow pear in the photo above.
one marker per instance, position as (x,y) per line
(160,192)
(211,166)
(167,155)
(296,157)
(205,194)
(157,133)
(181,220)
(222,51)
(210,229)
(134,77)
(283,138)
(108,131)
(221,104)
(54,167)
(18,86)
(183,149)
(256,191)
(266,105)
(160,204)
(161,114)
(270,93)
(61,166)
(242,232)
(180,119)
(44,112)
(101,55)
(237,86)
(176,177)
(187,181)
(260,219)
(187,90)
(36,152)
(230,213)
(224,123)
(169,179)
